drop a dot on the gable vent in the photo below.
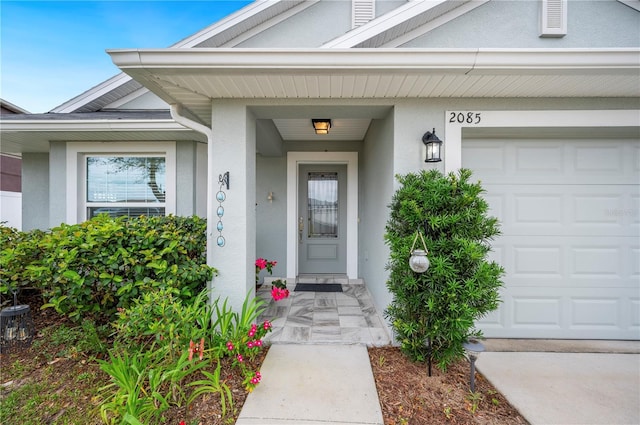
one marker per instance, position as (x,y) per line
(553,18)
(362,12)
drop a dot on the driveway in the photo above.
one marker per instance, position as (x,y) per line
(567,382)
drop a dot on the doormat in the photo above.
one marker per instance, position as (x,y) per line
(318,287)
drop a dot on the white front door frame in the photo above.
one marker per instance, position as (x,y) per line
(294,159)
(455,121)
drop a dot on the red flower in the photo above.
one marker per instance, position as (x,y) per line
(261,263)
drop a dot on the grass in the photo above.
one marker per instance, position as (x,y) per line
(56,380)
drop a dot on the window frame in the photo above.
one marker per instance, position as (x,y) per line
(77,154)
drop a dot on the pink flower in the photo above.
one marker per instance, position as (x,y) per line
(273,263)
(258,343)
(230,346)
(261,263)
(266,325)
(240,358)
(277,293)
(250,344)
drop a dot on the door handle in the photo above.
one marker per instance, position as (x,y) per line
(300,228)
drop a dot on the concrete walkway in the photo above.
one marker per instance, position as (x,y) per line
(314,385)
(567,382)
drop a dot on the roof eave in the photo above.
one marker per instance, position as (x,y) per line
(440,60)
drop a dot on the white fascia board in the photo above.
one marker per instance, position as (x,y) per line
(634,4)
(92,94)
(13,108)
(382,24)
(436,23)
(95,125)
(422,60)
(230,21)
(246,35)
(577,59)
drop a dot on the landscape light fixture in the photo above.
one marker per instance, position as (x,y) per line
(473,348)
(16,327)
(321,125)
(433,144)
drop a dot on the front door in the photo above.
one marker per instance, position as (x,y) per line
(322,219)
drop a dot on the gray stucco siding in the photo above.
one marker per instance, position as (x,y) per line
(311,27)
(514,24)
(35,191)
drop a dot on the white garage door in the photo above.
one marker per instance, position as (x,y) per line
(570,243)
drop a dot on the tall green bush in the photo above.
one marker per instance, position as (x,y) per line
(461,285)
(92,268)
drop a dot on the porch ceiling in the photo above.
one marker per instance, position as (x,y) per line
(194,77)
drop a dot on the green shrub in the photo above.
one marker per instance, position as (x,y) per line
(160,318)
(17,250)
(92,268)
(460,286)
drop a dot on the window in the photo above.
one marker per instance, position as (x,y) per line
(322,192)
(125,185)
(120,179)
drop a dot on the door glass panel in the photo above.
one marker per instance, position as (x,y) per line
(322,199)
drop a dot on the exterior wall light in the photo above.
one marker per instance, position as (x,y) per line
(321,125)
(270,196)
(433,144)
(418,262)
(473,349)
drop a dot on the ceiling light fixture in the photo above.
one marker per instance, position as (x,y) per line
(321,125)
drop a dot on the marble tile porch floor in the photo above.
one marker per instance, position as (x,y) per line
(347,317)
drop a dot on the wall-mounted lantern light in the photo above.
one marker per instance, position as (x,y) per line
(473,348)
(418,262)
(321,125)
(433,144)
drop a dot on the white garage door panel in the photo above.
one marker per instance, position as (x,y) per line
(570,244)
(565,209)
(583,313)
(553,161)
(573,260)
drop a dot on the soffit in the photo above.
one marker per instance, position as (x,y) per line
(195,77)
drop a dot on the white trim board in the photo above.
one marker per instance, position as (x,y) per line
(294,159)
(526,119)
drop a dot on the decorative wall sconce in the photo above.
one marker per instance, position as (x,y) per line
(321,125)
(473,348)
(433,144)
(418,262)
(270,197)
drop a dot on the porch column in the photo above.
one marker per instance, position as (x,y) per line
(234,150)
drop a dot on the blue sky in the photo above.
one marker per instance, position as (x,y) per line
(51,51)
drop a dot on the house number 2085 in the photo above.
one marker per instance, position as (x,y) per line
(465,117)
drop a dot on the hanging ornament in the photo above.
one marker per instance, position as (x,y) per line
(418,262)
